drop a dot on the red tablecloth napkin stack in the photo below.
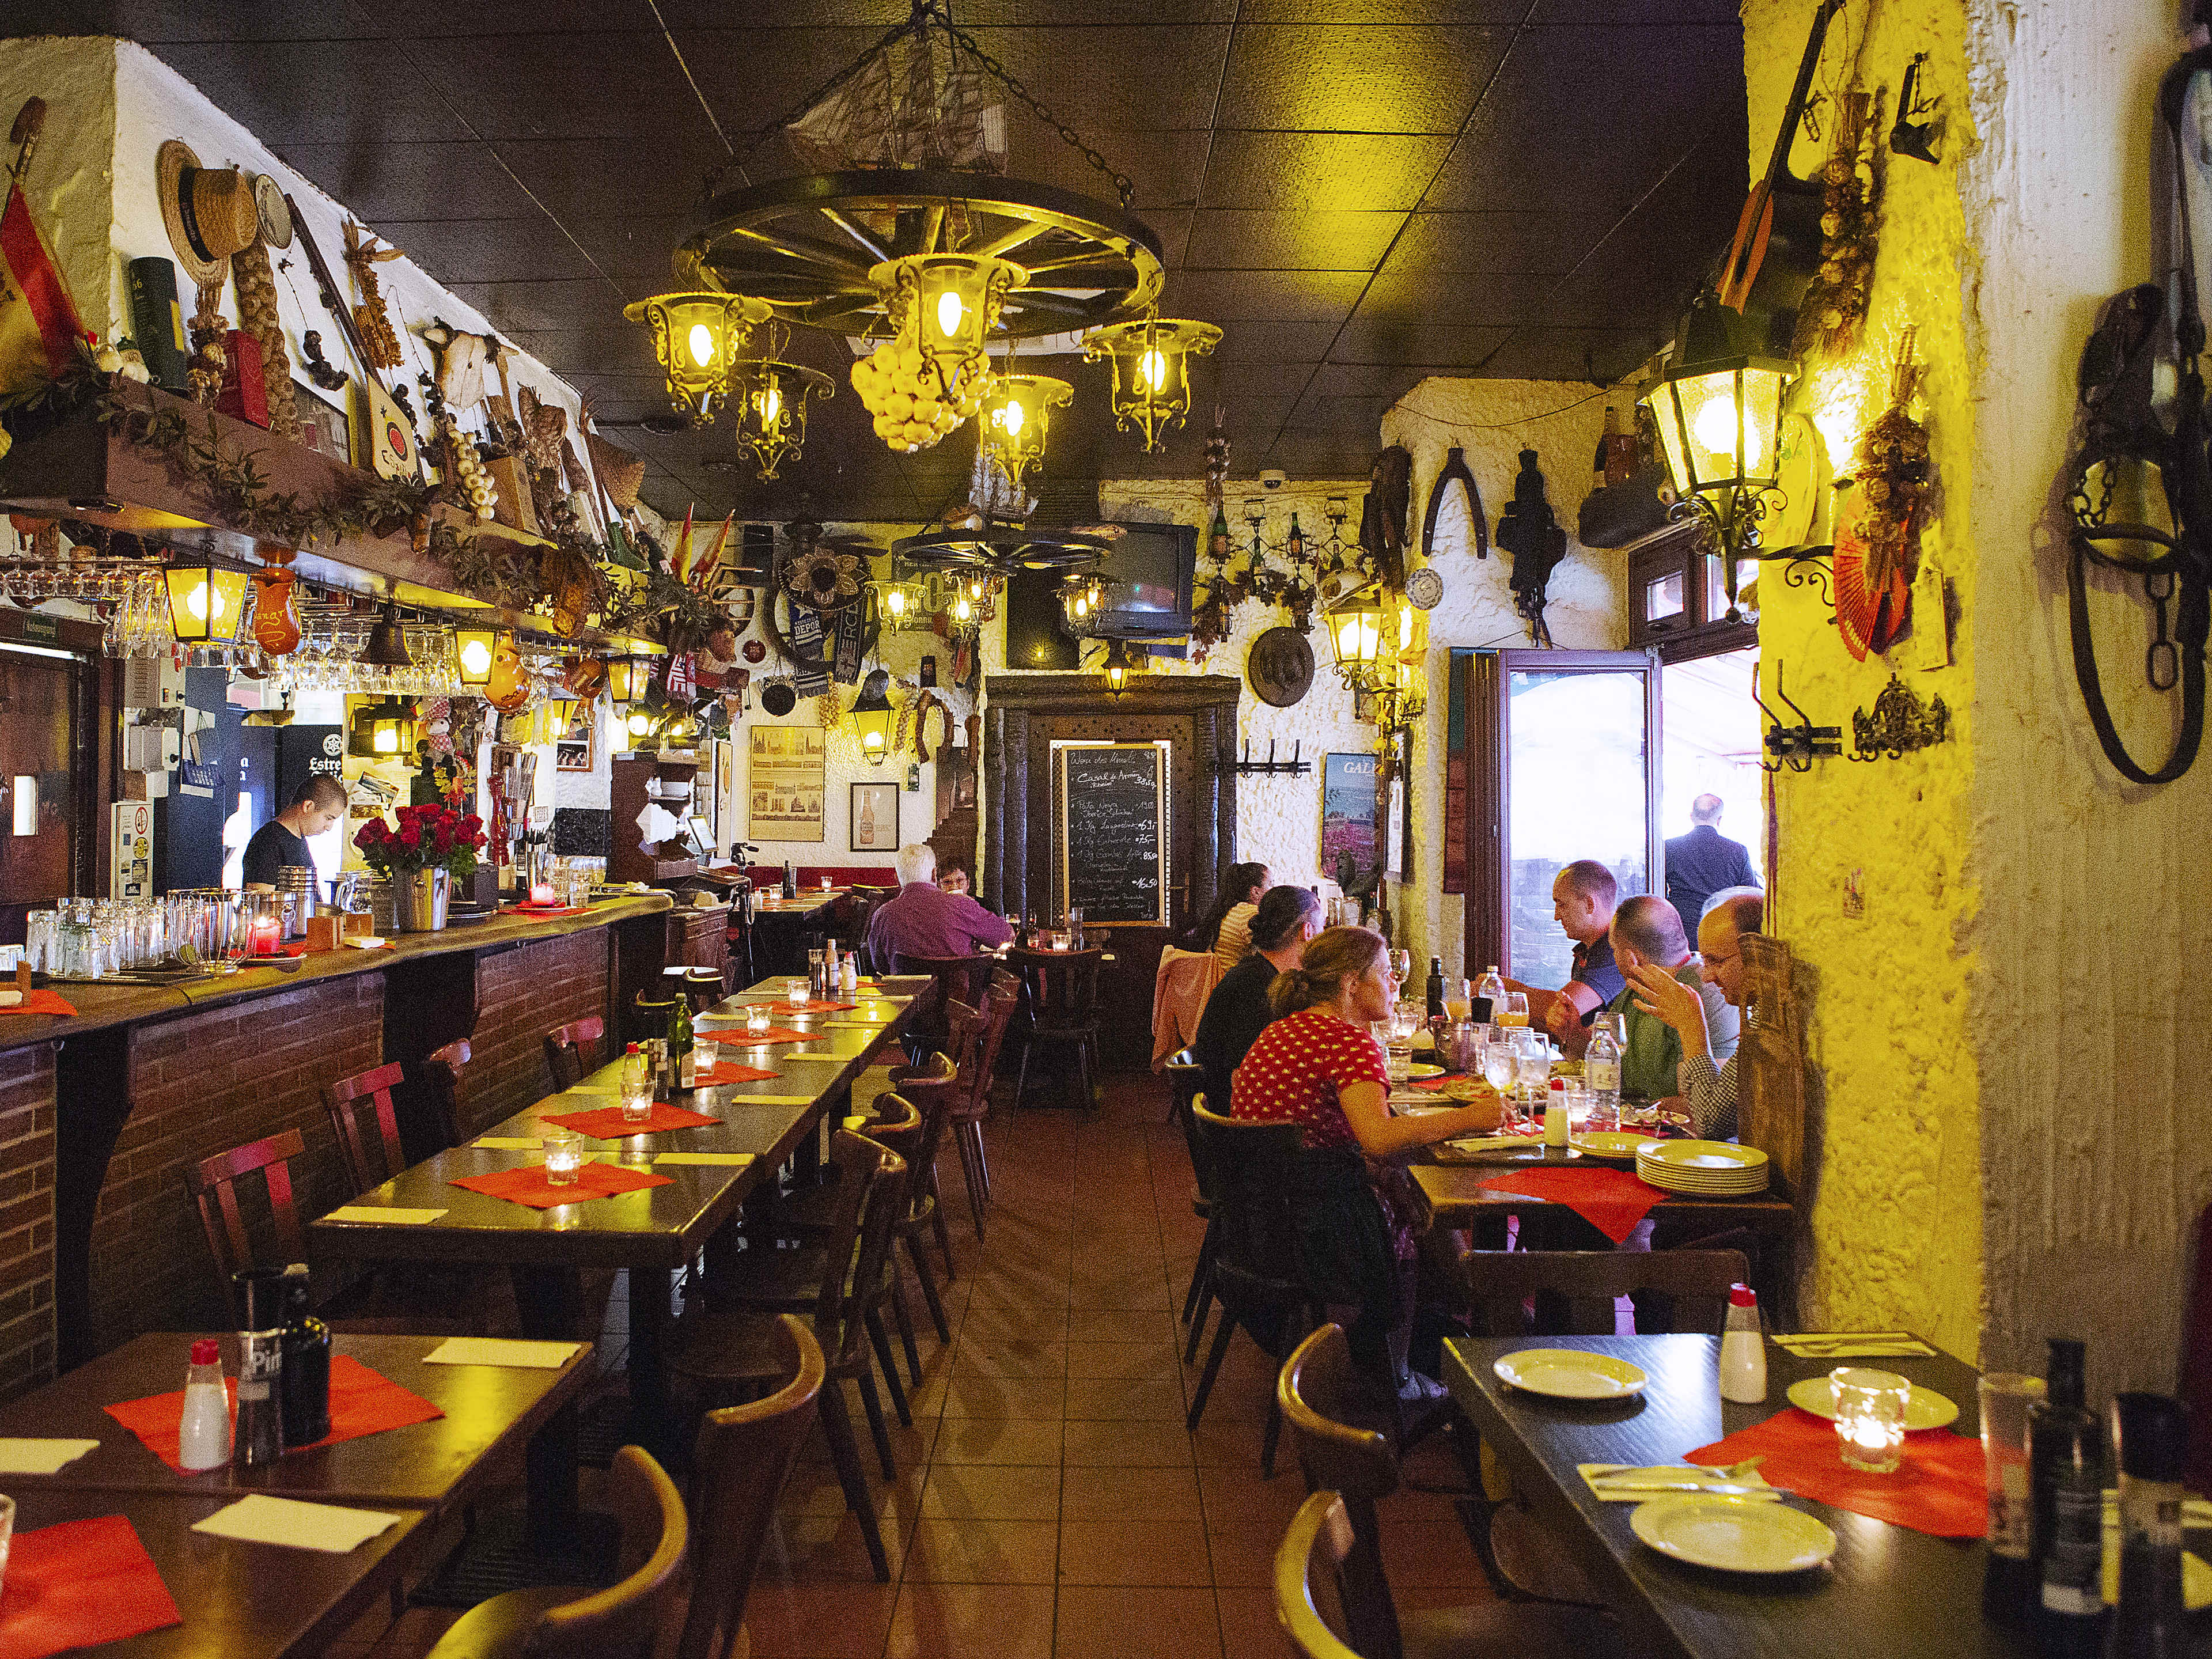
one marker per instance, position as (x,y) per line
(1611,1201)
(44,1001)
(608,1123)
(79,1584)
(1938,1489)
(720,1075)
(362,1401)
(528,1184)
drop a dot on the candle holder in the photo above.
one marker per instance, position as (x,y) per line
(1870,1417)
(564,1156)
(637,1101)
(757,1017)
(795,992)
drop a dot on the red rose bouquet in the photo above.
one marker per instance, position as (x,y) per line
(426,837)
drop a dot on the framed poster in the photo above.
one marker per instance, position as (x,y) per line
(1348,816)
(576,744)
(786,783)
(875,817)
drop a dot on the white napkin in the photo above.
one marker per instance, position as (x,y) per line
(40,1456)
(330,1527)
(498,1351)
(389,1214)
(728,1160)
(657,824)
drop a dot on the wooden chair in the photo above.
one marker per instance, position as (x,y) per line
(1327,1594)
(965,980)
(1061,990)
(567,1622)
(726,1345)
(441,1076)
(213,1183)
(573,1050)
(1255,1267)
(1186,1079)
(973,1104)
(371,1159)
(740,1463)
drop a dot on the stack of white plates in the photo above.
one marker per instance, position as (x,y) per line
(1712,1168)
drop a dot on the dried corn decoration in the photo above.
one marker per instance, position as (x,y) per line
(210,360)
(362,255)
(468,471)
(256,311)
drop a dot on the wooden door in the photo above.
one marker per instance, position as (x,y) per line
(41,806)
(1195,717)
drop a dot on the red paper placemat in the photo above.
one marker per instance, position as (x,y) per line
(716,1076)
(362,1401)
(1611,1201)
(79,1584)
(41,1002)
(545,913)
(1938,1489)
(812,1007)
(528,1185)
(739,1037)
(1432,1084)
(608,1123)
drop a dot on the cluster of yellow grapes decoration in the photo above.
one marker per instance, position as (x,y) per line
(901,387)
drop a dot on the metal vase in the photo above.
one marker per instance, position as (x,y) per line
(418,901)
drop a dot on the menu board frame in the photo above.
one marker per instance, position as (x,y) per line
(1162,749)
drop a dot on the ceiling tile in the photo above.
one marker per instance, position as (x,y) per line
(1386,340)
(1574,354)
(1340,415)
(288,92)
(563,86)
(607,178)
(486,250)
(1232,238)
(1341,78)
(1533,240)
(1164,166)
(632,247)
(1322,172)
(1551,14)
(1419,297)
(1373,379)
(1130,78)
(1284,296)
(610,346)
(1268,342)
(162,23)
(1417,12)
(524,307)
(395,181)
(1233,380)
(1327,455)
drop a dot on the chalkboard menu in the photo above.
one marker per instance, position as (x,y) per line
(1113,831)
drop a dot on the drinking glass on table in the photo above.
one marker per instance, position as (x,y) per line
(1461,1003)
(1402,968)
(794,993)
(757,1017)
(1405,1023)
(1516,1011)
(1497,1071)
(637,1096)
(1532,1066)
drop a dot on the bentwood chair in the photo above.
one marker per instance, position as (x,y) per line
(213,1183)
(1187,1079)
(972,1103)
(567,1622)
(571,1050)
(441,1076)
(963,980)
(1349,1470)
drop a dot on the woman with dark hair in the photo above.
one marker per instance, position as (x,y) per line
(1226,929)
(1317,1065)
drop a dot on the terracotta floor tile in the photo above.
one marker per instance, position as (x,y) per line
(1121,1294)
(1098,1622)
(1122,1325)
(1433,1553)
(813,1489)
(1244,1554)
(980,1440)
(817,1620)
(1249,1628)
(1127,1399)
(946,1551)
(1133,1445)
(818,1546)
(1239,1496)
(1122,1493)
(940,1621)
(984,1355)
(1134,1552)
(993,1492)
(1038,1398)
(1135,1360)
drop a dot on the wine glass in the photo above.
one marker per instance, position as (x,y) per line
(1497,1072)
(1515,1011)
(1532,1067)
(1402,968)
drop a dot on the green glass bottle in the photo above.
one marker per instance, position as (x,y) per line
(679,1030)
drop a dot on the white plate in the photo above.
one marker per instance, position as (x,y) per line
(1693,1157)
(1924,1408)
(1425,1070)
(1608,1143)
(1570,1374)
(1736,1534)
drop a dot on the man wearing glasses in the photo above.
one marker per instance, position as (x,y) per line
(1708,1087)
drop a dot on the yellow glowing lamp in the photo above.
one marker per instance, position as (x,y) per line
(1081,599)
(950,303)
(873,716)
(1151,360)
(626,679)
(638,723)
(697,338)
(205,603)
(1121,657)
(964,609)
(472,651)
(383,730)
(1404,629)
(1016,415)
(771,398)
(1357,625)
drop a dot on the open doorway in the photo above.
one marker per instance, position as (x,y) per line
(1711,746)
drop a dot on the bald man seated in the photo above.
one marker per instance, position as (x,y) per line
(1708,1080)
(1647,933)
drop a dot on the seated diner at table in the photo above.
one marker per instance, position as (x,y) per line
(1317,1065)
(1237,1012)
(1226,929)
(1708,1081)
(952,879)
(1647,933)
(921,920)
(1583,896)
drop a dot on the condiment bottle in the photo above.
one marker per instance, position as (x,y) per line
(1435,989)
(634,1072)
(1489,997)
(849,976)
(2066,1483)
(260,1435)
(204,1426)
(1743,1350)
(305,1384)
(1556,1115)
(2151,1437)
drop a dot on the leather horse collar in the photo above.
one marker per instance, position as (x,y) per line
(1455,469)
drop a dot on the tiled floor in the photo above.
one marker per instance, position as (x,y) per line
(1050,1501)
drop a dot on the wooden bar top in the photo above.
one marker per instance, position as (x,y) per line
(100,1007)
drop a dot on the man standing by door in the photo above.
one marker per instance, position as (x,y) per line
(283,841)
(1703,862)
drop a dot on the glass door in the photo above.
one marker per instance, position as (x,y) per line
(1564,758)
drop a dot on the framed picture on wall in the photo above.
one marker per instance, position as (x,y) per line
(786,784)
(574,744)
(875,817)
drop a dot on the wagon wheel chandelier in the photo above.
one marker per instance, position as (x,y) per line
(1001,549)
(770,395)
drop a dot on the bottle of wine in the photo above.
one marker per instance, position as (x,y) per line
(2066,1485)
(2151,1437)
(1435,987)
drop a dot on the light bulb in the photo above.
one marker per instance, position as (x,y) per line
(961,611)
(1715,430)
(476,659)
(894,601)
(1152,368)
(1013,418)
(771,403)
(385,739)
(702,344)
(639,724)
(197,601)
(950,308)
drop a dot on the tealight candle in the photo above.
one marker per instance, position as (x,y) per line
(795,992)
(564,1155)
(637,1103)
(542,893)
(757,1016)
(1870,1417)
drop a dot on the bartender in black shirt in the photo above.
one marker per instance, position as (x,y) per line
(283,841)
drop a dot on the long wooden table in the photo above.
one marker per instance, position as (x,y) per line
(1890,1591)
(652,1230)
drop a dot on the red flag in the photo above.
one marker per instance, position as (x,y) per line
(39,326)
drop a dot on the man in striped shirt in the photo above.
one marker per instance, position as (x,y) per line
(1708,1088)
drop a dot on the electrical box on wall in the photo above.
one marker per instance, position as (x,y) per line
(152,683)
(151,748)
(131,874)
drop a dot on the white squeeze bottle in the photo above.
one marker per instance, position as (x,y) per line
(203,1427)
(635,1069)
(1743,1350)
(848,976)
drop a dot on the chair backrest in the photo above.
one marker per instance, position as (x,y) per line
(1574,1289)
(370,1158)
(1187,1078)
(213,1183)
(998,1014)
(957,979)
(870,1184)
(1250,1164)
(1313,1600)
(739,1464)
(1062,985)
(1315,1390)
(441,1075)
(625,1619)
(930,1089)
(963,1030)
(573,1049)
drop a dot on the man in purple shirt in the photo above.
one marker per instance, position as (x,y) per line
(923,920)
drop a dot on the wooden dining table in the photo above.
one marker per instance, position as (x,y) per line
(653,1230)
(1889,1593)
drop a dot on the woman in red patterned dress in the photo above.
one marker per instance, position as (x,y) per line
(1317,1065)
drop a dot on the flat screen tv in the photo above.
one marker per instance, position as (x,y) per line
(1148,578)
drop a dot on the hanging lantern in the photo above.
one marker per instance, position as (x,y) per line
(472,651)
(638,723)
(1152,370)
(770,396)
(205,603)
(383,730)
(873,715)
(697,338)
(1121,657)
(1080,599)
(1357,624)
(932,373)
(276,617)
(1404,629)
(902,604)
(626,677)
(1016,414)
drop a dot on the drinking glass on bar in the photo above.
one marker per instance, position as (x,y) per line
(2005,1399)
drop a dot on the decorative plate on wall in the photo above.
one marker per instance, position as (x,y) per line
(1280,668)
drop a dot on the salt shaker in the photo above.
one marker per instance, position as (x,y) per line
(204,1426)
(1743,1350)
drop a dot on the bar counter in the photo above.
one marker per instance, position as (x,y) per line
(102,1113)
